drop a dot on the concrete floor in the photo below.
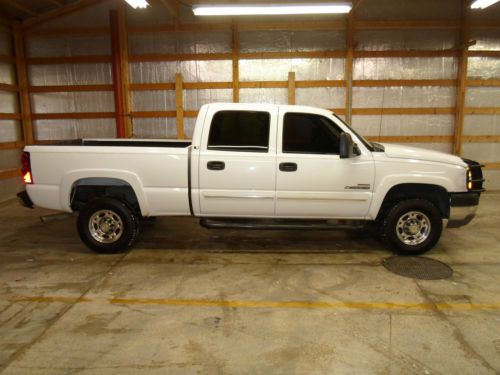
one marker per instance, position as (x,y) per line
(190,300)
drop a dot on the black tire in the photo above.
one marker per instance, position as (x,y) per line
(408,216)
(111,214)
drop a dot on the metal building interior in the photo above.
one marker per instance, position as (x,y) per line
(188,300)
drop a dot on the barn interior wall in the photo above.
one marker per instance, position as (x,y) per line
(439,126)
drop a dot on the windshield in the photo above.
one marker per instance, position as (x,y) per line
(367,144)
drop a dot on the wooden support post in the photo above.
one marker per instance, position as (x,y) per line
(462,78)
(22,83)
(127,105)
(117,74)
(291,88)
(179,106)
(348,64)
(235,58)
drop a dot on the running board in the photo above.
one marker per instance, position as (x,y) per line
(281,224)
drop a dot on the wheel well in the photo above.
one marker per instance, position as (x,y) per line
(435,194)
(88,189)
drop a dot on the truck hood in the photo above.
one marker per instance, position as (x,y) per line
(407,152)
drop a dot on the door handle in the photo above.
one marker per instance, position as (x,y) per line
(288,167)
(216,165)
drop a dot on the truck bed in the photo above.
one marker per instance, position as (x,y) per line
(123,143)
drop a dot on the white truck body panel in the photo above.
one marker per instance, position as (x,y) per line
(251,185)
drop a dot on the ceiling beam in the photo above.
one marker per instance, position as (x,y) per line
(59,12)
(57,3)
(172,8)
(19,6)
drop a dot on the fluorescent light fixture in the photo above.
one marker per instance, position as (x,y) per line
(481,4)
(270,9)
(137,3)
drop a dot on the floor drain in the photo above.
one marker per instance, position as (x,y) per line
(418,268)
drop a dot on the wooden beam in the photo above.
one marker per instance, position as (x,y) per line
(461,78)
(404,82)
(235,56)
(68,60)
(292,54)
(481,138)
(57,3)
(320,83)
(403,111)
(172,7)
(297,25)
(483,82)
(19,6)
(407,53)
(7,59)
(185,27)
(153,114)
(72,115)
(482,110)
(68,31)
(10,116)
(291,88)
(8,87)
(179,105)
(179,57)
(11,145)
(483,53)
(9,173)
(264,85)
(493,165)
(124,61)
(70,88)
(413,139)
(22,83)
(405,24)
(59,12)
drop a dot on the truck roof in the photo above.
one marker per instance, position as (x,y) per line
(265,106)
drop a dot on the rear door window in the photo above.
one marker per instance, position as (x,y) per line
(240,131)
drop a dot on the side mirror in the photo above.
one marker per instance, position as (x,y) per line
(347,147)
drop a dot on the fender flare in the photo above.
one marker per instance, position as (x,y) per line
(69,179)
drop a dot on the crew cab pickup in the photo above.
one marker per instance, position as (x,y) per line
(255,166)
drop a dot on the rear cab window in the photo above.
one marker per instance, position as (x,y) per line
(240,130)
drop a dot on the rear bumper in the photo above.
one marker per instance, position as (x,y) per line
(463,207)
(25,199)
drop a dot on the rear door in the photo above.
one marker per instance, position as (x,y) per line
(237,162)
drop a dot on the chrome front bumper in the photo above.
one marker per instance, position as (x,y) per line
(463,207)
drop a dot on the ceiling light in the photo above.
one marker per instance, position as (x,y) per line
(270,9)
(137,3)
(481,4)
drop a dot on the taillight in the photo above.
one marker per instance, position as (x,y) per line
(26,168)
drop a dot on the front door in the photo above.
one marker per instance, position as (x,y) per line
(312,180)
(237,162)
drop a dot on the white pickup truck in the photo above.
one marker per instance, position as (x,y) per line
(255,166)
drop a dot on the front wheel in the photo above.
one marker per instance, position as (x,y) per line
(412,226)
(107,225)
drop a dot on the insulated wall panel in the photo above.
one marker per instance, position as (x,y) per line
(395,125)
(305,69)
(74,129)
(155,128)
(68,102)
(192,71)
(281,41)
(69,74)
(395,97)
(405,68)
(324,97)
(180,42)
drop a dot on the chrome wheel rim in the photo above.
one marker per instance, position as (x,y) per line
(413,228)
(105,226)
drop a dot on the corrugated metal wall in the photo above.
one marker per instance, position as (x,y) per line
(368,101)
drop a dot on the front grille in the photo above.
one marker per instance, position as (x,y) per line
(475,178)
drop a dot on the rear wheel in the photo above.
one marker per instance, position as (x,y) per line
(412,226)
(107,225)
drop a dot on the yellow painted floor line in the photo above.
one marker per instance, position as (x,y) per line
(452,306)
